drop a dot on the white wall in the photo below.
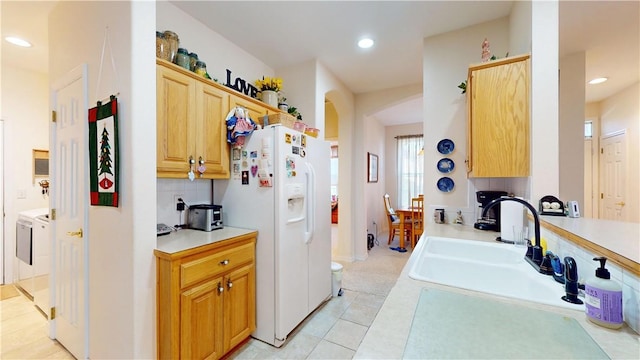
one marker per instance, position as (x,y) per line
(217,52)
(25,96)
(571,128)
(622,112)
(121,240)
(367,135)
(544,100)
(446,59)
(520,28)
(327,85)
(374,191)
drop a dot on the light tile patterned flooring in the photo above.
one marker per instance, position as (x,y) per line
(334,331)
(24,332)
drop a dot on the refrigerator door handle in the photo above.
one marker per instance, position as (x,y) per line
(311,204)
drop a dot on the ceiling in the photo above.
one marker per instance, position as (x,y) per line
(607,31)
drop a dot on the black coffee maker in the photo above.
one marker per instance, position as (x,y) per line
(492,220)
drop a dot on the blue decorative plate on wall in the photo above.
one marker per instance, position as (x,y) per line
(445,184)
(445,146)
(445,165)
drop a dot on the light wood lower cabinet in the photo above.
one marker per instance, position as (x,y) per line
(206,299)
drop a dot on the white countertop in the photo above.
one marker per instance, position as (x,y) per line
(617,236)
(187,239)
(394,320)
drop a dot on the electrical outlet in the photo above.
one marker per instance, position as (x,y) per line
(179,204)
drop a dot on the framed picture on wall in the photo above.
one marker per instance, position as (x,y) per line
(372,165)
(40,164)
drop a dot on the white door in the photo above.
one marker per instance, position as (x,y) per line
(2,281)
(69,200)
(613,175)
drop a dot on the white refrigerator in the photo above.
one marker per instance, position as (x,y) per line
(280,185)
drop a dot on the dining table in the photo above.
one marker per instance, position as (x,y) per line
(405,215)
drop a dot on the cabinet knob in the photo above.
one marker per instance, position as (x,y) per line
(224,262)
(229,284)
(220,288)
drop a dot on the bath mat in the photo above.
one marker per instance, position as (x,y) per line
(8,291)
(449,325)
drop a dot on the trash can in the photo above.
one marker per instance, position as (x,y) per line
(336,279)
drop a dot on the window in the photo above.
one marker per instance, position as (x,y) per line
(410,168)
(588,129)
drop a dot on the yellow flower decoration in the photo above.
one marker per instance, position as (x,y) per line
(269,83)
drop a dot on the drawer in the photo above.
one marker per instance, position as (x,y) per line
(215,264)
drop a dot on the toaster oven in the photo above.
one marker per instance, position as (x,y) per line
(205,217)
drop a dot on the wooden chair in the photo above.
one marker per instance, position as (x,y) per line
(392,219)
(417,204)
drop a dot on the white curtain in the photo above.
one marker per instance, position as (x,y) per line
(410,151)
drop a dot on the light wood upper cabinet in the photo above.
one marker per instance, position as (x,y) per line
(191,115)
(176,127)
(191,122)
(211,144)
(498,139)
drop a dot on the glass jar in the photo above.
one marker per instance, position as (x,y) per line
(172,42)
(193,58)
(182,58)
(201,68)
(162,50)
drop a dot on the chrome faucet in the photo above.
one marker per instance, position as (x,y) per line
(534,253)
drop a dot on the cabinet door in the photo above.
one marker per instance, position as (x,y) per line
(256,112)
(201,321)
(175,103)
(239,306)
(212,147)
(499,121)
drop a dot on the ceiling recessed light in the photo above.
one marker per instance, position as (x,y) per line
(599,80)
(17,41)
(365,43)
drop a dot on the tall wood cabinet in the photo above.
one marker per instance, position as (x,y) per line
(206,299)
(498,139)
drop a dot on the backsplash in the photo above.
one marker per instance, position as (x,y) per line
(562,247)
(192,192)
(517,186)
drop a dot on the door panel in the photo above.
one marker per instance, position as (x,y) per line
(613,175)
(239,306)
(212,132)
(69,201)
(175,117)
(201,316)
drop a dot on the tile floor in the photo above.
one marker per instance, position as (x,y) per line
(336,328)
(24,332)
(333,331)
